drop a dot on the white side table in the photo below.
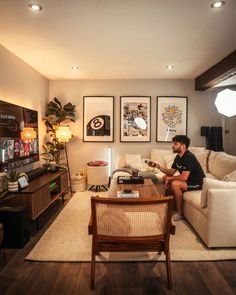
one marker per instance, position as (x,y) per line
(97,176)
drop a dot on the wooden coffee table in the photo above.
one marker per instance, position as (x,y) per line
(146,190)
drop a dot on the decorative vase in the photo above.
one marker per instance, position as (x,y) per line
(13,186)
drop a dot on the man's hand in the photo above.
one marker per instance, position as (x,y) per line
(166,180)
(154,164)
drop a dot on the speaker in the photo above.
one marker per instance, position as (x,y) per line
(16,226)
(36,173)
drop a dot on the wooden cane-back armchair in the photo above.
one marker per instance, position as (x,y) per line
(131,225)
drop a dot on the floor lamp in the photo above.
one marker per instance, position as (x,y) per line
(63,134)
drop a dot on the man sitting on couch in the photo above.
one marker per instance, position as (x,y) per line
(191,173)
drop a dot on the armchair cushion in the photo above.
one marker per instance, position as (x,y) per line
(214,184)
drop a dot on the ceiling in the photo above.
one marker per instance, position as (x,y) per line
(124,39)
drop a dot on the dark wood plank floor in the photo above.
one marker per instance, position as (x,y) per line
(18,276)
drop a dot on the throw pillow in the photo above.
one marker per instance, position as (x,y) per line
(230,177)
(120,162)
(113,222)
(169,159)
(202,158)
(209,183)
(134,161)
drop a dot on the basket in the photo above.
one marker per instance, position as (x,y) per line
(78,182)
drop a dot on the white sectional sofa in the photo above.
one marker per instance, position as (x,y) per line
(212,210)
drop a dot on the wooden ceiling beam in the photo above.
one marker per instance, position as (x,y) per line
(221,71)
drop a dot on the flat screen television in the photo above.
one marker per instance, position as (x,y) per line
(13,150)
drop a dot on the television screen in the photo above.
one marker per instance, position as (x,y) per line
(13,149)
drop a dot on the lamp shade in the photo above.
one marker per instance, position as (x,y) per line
(226,102)
(28,133)
(63,134)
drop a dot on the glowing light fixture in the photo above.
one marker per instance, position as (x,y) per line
(109,161)
(63,134)
(140,122)
(170,67)
(75,68)
(217,4)
(35,7)
(226,102)
(28,133)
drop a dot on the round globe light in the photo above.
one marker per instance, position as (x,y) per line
(140,122)
(226,102)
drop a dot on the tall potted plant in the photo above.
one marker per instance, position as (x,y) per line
(56,113)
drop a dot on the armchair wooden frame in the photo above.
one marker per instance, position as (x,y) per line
(127,243)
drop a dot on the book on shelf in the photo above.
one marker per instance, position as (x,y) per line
(52,185)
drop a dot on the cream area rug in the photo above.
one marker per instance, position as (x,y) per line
(67,239)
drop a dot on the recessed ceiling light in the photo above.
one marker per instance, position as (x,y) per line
(75,68)
(170,67)
(217,4)
(35,7)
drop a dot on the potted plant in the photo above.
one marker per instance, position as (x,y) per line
(56,113)
(13,180)
(52,156)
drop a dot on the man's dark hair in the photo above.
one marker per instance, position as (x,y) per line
(182,139)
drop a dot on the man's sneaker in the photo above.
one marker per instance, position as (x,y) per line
(177,216)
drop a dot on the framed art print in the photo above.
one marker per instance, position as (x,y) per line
(171,117)
(135,118)
(98,121)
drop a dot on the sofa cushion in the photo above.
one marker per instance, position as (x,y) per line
(214,184)
(230,177)
(134,161)
(120,162)
(169,159)
(202,158)
(221,164)
(194,199)
(196,150)
(209,175)
(157,155)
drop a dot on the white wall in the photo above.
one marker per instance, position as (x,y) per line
(22,85)
(201,112)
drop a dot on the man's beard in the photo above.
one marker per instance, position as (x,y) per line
(176,151)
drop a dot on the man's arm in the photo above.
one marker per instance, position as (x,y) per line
(183,176)
(169,172)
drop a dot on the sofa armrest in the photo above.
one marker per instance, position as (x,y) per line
(221,221)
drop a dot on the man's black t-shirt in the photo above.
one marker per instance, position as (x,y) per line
(188,162)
